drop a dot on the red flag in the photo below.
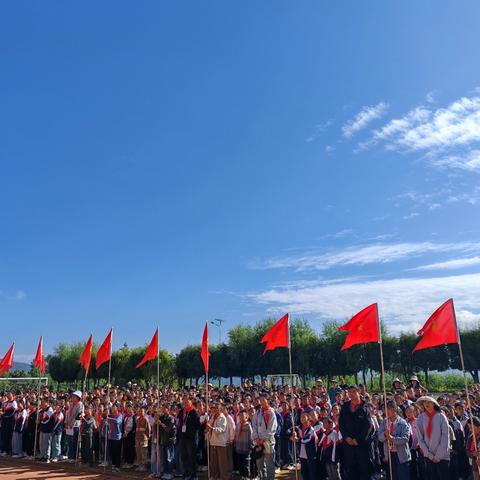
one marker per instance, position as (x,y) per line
(152,350)
(105,351)
(278,335)
(362,327)
(39,360)
(6,363)
(205,353)
(440,328)
(86,356)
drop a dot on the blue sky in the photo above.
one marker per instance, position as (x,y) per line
(165,163)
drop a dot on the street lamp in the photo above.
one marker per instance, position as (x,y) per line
(218,323)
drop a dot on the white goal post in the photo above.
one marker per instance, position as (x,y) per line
(32,382)
(283,379)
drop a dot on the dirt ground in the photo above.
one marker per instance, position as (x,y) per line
(12,469)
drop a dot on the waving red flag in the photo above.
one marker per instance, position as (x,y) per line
(278,335)
(86,356)
(152,350)
(105,351)
(6,363)
(362,327)
(39,360)
(440,328)
(205,353)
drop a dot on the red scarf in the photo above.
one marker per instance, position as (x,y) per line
(186,411)
(430,416)
(266,416)
(325,442)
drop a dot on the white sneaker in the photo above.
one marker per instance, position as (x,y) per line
(54,460)
(167,476)
(102,464)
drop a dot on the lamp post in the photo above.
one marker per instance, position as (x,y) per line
(218,323)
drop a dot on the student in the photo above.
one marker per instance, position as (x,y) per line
(143,431)
(394,433)
(308,447)
(46,428)
(243,444)
(434,439)
(264,427)
(471,451)
(217,434)
(188,426)
(129,427)
(58,422)
(73,415)
(29,430)
(329,454)
(88,426)
(17,439)
(114,432)
(9,407)
(167,435)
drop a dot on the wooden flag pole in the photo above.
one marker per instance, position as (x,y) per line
(469,405)
(108,400)
(207,413)
(157,457)
(291,409)
(382,366)
(37,419)
(79,439)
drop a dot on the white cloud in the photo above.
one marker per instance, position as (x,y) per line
(403,302)
(380,253)
(430,97)
(445,135)
(18,295)
(318,130)
(410,216)
(365,116)
(451,264)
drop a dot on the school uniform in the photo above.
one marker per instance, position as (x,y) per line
(329,453)
(46,428)
(308,452)
(17,438)
(7,425)
(87,430)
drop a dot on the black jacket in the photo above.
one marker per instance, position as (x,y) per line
(192,424)
(357,424)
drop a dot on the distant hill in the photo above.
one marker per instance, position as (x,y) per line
(25,367)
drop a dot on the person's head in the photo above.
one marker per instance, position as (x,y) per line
(313,417)
(88,411)
(410,412)
(264,402)
(327,424)
(459,409)
(398,397)
(20,405)
(305,419)
(354,393)
(114,409)
(392,410)
(141,412)
(430,406)
(243,416)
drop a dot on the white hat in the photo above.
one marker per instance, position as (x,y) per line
(78,394)
(427,399)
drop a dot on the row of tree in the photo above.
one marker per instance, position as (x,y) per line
(313,355)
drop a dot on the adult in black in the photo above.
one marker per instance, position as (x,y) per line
(188,426)
(357,432)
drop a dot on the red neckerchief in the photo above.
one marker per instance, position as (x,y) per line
(430,416)
(266,415)
(186,411)
(325,442)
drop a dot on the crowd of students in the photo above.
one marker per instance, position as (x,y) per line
(253,431)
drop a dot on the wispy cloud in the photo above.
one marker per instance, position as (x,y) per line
(451,264)
(446,136)
(380,253)
(318,130)
(403,302)
(430,96)
(365,116)
(17,295)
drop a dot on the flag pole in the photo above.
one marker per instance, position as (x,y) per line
(157,456)
(469,405)
(108,400)
(79,439)
(291,409)
(37,418)
(382,366)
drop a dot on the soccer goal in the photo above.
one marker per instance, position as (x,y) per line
(284,379)
(28,383)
